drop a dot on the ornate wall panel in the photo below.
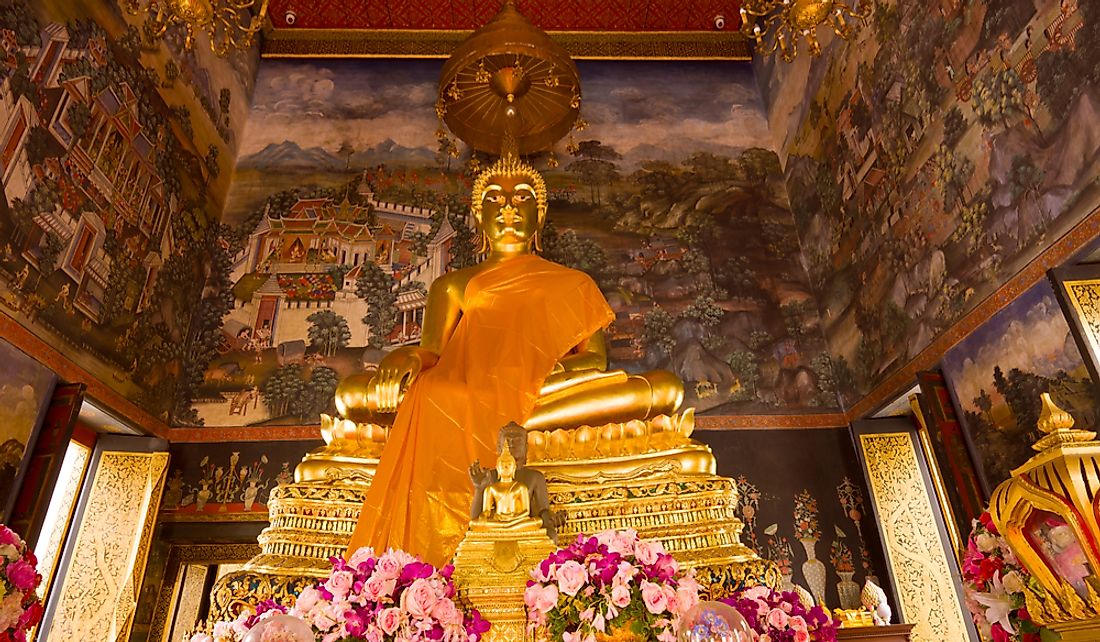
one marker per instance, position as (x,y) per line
(192,581)
(921,569)
(99,593)
(59,515)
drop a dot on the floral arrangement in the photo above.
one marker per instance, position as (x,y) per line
(994,582)
(841,557)
(805,517)
(20,609)
(370,598)
(610,582)
(782,617)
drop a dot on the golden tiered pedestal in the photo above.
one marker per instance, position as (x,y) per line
(649,476)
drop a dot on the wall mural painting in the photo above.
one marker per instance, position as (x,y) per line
(111,170)
(25,390)
(345,206)
(231,480)
(998,372)
(931,159)
(815,524)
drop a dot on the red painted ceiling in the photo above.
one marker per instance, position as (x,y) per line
(551,15)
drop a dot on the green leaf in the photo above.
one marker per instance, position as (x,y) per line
(1046,635)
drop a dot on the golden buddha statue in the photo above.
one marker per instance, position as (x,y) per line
(515,338)
(506,503)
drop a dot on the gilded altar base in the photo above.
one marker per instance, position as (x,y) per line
(649,476)
(491,571)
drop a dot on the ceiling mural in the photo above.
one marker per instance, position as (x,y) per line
(932,158)
(345,206)
(115,156)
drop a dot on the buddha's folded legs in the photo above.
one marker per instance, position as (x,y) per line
(640,396)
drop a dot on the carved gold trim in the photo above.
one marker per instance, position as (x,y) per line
(921,568)
(584,45)
(1084,296)
(953,531)
(99,592)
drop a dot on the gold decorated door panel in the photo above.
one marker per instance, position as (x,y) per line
(925,575)
(100,573)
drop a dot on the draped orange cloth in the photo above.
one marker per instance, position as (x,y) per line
(519,317)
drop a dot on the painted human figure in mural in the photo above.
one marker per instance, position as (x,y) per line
(514,338)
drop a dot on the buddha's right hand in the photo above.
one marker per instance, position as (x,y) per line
(397,371)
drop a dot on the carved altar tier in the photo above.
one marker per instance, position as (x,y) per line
(649,476)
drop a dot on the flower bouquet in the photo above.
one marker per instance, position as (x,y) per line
(610,585)
(20,609)
(782,617)
(994,583)
(393,597)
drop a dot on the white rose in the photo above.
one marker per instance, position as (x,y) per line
(1013,583)
(10,552)
(986,543)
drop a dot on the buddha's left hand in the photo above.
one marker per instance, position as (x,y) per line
(397,371)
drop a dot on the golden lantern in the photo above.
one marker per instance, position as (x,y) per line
(1048,512)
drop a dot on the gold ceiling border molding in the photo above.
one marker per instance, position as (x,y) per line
(1074,240)
(582,45)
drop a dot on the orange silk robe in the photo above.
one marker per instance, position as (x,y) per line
(519,317)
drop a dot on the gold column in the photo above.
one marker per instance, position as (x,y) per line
(926,592)
(99,592)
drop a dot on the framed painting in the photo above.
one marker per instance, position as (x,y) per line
(26,387)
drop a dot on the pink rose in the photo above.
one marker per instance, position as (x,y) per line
(647,552)
(8,536)
(389,619)
(571,636)
(377,587)
(339,583)
(360,555)
(541,598)
(22,575)
(798,623)
(686,598)
(571,577)
(419,598)
(801,636)
(201,637)
(445,612)
(654,597)
(786,606)
(620,596)
(373,634)
(307,599)
(777,618)
(388,567)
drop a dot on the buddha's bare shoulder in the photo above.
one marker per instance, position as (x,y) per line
(452,285)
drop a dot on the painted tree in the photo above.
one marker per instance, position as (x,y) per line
(984,402)
(49,254)
(375,287)
(999,97)
(225,99)
(346,151)
(657,330)
(1026,177)
(954,127)
(171,73)
(320,392)
(211,161)
(706,311)
(746,368)
(595,167)
(79,117)
(1021,391)
(328,332)
(281,388)
(38,144)
(572,251)
(953,172)
(463,251)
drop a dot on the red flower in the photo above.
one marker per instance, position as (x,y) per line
(988,567)
(987,521)
(999,634)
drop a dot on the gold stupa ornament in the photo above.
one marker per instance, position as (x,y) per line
(1048,512)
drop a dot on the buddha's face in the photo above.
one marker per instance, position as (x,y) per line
(516,441)
(506,469)
(509,212)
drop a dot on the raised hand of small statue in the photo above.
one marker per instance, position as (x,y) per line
(481,477)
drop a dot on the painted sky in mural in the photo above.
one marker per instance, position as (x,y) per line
(998,372)
(116,149)
(346,205)
(931,158)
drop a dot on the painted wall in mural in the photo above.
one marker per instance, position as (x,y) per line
(115,152)
(346,205)
(229,482)
(818,509)
(933,157)
(998,372)
(25,390)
